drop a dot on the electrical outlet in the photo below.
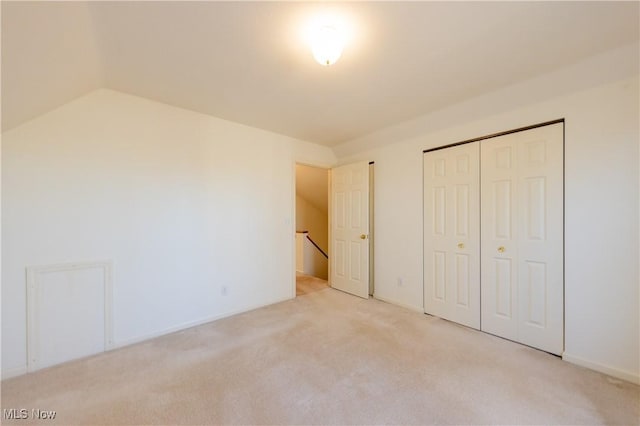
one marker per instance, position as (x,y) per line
(224,290)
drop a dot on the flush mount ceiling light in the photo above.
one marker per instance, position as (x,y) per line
(327,42)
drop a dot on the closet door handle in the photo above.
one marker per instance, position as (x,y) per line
(460,245)
(501,249)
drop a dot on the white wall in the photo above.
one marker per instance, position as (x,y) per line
(300,237)
(309,260)
(312,219)
(178,200)
(315,263)
(602,328)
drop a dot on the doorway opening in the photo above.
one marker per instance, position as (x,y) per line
(312,229)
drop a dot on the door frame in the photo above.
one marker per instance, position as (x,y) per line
(292,221)
(318,165)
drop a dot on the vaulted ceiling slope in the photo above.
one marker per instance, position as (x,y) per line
(246,61)
(312,184)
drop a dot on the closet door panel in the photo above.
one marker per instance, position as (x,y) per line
(522,237)
(540,244)
(451,234)
(499,250)
(436,234)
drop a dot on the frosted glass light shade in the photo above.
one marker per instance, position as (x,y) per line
(327,44)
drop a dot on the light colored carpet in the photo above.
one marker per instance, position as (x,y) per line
(306,284)
(325,358)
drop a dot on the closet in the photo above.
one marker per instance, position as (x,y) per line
(452,234)
(493,235)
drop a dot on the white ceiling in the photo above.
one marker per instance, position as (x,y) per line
(49,57)
(246,61)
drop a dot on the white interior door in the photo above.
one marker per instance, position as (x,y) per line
(452,234)
(350,228)
(522,237)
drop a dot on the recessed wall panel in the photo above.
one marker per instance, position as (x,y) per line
(462,164)
(356,209)
(461,210)
(356,177)
(536,153)
(69,312)
(439,210)
(439,167)
(340,209)
(340,258)
(502,209)
(503,157)
(537,292)
(462,280)
(355,258)
(439,274)
(503,287)
(536,209)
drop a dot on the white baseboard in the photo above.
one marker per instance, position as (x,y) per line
(19,371)
(609,371)
(402,305)
(14,372)
(189,324)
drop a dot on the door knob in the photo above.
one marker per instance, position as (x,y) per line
(363,237)
(460,245)
(501,249)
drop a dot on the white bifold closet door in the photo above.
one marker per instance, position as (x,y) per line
(452,234)
(522,289)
